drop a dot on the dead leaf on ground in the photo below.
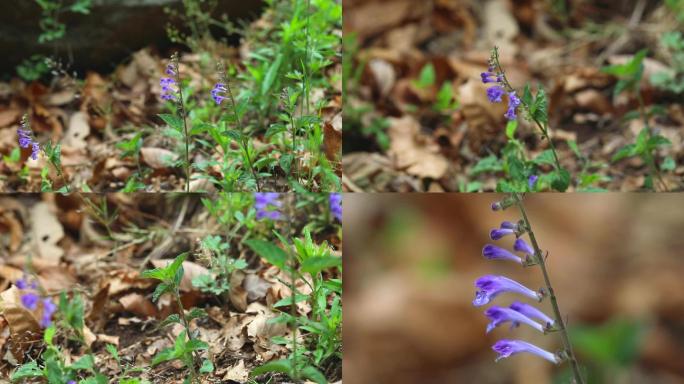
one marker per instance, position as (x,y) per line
(413,150)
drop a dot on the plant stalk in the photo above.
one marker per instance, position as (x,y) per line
(552,296)
(185,128)
(243,142)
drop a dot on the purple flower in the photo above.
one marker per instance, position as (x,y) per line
(25,139)
(168,88)
(488,77)
(499,315)
(490,286)
(532,181)
(532,312)
(267,204)
(495,93)
(513,103)
(506,348)
(521,246)
(35,150)
(335,200)
(498,233)
(49,309)
(71,382)
(170,70)
(30,300)
(509,225)
(218,93)
(496,206)
(492,252)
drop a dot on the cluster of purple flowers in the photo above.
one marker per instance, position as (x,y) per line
(218,93)
(491,286)
(26,138)
(267,205)
(168,84)
(335,200)
(30,299)
(496,92)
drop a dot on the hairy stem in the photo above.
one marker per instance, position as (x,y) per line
(181,107)
(552,296)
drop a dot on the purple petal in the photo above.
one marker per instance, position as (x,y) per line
(490,286)
(506,348)
(499,315)
(30,300)
(533,312)
(495,93)
(521,246)
(509,225)
(532,181)
(498,233)
(492,252)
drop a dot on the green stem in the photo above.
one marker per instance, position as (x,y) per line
(186,324)
(650,160)
(244,145)
(185,129)
(552,296)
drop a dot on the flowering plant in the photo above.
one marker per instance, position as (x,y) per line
(491,286)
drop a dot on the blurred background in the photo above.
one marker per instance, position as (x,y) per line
(416,117)
(615,261)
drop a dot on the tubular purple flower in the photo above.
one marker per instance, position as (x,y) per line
(170,70)
(496,206)
(499,315)
(218,93)
(30,300)
(335,200)
(509,225)
(488,77)
(492,252)
(267,204)
(498,233)
(49,308)
(532,181)
(521,246)
(490,286)
(495,93)
(506,348)
(35,150)
(513,103)
(533,312)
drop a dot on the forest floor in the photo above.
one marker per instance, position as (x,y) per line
(417,117)
(94,249)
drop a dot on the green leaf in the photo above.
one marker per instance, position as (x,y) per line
(173,318)
(271,75)
(196,313)
(561,180)
(112,351)
(575,149)
(165,355)
(314,265)
(511,127)
(173,121)
(84,363)
(427,76)
(624,152)
(29,369)
(281,366)
(488,164)
(527,95)
(286,301)
(49,334)
(268,251)
(628,69)
(658,141)
(195,345)
(207,366)
(668,164)
(545,157)
(311,373)
(539,110)
(161,289)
